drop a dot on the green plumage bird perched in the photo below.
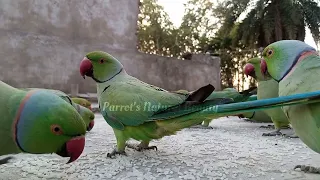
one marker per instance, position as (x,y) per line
(83,102)
(86,114)
(39,122)
(296,67)
(135,109)
(267,89)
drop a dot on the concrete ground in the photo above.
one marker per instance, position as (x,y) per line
(233,149)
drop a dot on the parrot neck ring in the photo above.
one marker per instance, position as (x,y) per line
(19,118)
(300,57)
(98,81)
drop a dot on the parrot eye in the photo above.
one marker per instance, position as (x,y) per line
(56,129)
(101,61)
(269,52)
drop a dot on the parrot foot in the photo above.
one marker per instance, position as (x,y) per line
(267,127)
(141,147)
(290,136)
(273,133)
(115,151)
(201,127)
(286,127)
(5,160)
(308,169)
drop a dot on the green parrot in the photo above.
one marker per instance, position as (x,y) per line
(137,110)
(256,116)
(225,93)
(268,89)
(39,122)
(295,66)
(86,114)
(83,102)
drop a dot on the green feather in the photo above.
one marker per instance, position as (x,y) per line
(86,114)
(268,89)
(135,109)
(296,66)
(37,113)
(303,77)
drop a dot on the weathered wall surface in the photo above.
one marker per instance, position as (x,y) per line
(43,41)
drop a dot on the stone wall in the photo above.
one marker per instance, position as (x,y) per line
(43,41)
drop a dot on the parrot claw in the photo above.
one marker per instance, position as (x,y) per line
(273,133)
(286,127)
(201,127)
(267,127)
(6,160)
(152,147)
(308,169)
(148,148)
(114,152)
(290,136)
(141,147)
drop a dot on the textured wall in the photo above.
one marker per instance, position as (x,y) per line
(43,41)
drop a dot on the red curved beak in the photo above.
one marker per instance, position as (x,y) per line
(91,124)
(75,147)
(248,69)
(85,66)
(263,66)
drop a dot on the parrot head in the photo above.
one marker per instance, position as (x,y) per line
(85,111)
(281,56)
(86,114)
(45,123)
(100,66)
(83,102)
(252,68)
